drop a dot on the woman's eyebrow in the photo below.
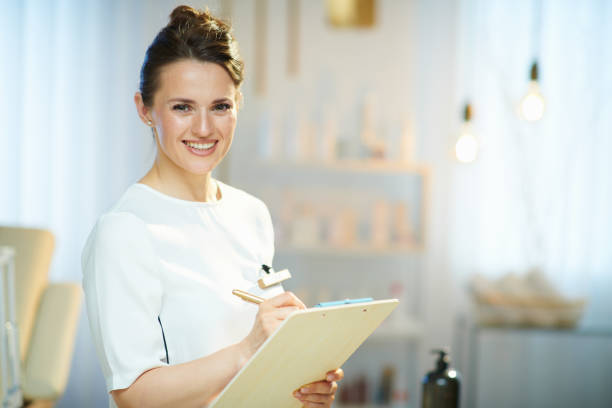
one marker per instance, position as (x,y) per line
(191,101)
(219,100)
(184,100)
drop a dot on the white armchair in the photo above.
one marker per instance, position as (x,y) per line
(47,315)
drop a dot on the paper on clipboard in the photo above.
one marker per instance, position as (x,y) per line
(302,350)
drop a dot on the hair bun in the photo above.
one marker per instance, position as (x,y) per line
(185,15)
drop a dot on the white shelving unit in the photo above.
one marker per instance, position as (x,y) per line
(346,174)
(361,267)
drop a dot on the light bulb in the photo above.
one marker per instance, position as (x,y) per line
(466,148)
(532,105)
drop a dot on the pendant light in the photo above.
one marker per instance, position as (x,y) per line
(466,148)
(532,105)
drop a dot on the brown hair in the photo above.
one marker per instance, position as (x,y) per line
(190,34)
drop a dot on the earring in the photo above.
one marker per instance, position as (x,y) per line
(149,123)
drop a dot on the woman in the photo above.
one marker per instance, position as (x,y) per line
(160,266)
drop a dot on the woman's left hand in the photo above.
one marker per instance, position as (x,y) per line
(321,393)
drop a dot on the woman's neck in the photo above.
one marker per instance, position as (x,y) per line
(184,186)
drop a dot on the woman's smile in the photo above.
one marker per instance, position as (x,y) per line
(201,148)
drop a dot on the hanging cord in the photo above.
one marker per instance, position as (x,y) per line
(536,39)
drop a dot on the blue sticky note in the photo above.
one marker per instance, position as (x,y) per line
(343,302)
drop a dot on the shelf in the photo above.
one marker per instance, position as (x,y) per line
(530,330)
(407,330)
(355,250)
(353,165)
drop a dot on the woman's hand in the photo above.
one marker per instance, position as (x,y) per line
(271,313)
(321,393)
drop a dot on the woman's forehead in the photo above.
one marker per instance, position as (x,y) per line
(196,80)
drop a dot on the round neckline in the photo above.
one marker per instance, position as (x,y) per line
(167,197)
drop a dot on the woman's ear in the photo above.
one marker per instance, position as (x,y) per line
(143,111)
(239,99)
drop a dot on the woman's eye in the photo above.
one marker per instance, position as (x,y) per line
(182,107)
(222,107)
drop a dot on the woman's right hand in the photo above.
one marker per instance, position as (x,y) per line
(270,315)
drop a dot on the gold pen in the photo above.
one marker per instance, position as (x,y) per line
(247,296)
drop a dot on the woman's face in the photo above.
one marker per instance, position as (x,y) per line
(194,113)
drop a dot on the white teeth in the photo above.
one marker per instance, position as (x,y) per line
(201,146)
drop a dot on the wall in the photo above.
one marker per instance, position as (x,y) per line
(406,64)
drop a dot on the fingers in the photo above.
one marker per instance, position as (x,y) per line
(315,398)
(323,399)
(284,299)
(277,313)
(269,320)
(320,393)
(308,404)
(319,387)
(335,375)
(281,313)
(270,315)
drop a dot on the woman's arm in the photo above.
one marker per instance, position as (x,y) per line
(191,384)
(196,383)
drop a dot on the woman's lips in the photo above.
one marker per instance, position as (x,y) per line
(201,152)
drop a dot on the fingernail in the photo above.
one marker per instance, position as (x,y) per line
(297,394)
(330,377)
(304,390)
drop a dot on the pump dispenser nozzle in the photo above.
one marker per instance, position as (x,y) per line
(443,359)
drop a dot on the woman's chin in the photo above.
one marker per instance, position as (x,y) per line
(200,171)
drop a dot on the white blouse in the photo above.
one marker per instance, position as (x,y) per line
(158,274)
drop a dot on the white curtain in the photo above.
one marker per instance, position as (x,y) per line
(540,194)
(70,140)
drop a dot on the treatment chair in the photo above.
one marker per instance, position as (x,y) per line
(46,313)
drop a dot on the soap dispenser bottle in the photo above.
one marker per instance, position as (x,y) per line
(441,386)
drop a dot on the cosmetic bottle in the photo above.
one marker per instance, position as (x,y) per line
(385,389)
(441,386)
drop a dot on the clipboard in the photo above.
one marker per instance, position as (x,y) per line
(307,345)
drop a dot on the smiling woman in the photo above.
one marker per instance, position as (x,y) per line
(189,90)
(159,267)
(193,117)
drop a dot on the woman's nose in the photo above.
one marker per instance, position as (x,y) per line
(203,125)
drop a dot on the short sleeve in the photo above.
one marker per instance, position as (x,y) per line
(123,294)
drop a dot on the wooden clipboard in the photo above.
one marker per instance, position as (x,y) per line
(302,350)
